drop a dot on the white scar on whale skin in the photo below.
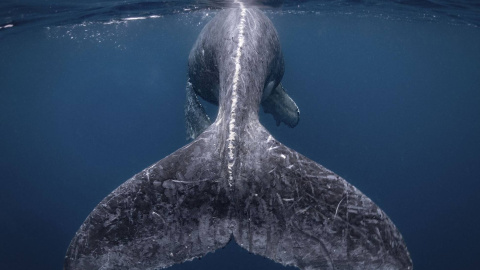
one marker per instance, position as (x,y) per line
(231,126)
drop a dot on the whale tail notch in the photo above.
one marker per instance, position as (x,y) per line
(282,206)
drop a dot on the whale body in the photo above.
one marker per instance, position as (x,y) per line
(234,181)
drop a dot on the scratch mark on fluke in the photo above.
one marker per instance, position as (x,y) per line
(234,180)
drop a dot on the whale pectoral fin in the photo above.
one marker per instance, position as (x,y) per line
(196,118)
(166,214)
(298,213)
(282,107)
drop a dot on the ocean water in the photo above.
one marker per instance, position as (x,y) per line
(389,92)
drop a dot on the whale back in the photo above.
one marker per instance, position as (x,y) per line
(212,58)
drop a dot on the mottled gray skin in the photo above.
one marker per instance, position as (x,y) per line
(280,204)
(209,73)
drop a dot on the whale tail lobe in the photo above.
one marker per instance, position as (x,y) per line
(282,206)
(172,211)
(296,212)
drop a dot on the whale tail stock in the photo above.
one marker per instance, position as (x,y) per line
(279,104)
(282,206)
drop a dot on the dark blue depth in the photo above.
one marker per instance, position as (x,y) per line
(391,106)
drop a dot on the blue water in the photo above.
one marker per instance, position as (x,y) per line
(389,94)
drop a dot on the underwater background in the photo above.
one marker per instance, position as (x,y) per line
(93,92)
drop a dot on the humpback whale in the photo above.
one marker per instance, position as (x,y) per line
(234,181)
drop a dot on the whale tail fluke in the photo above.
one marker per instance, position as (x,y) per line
(282,206)
(166,214)
(296,212)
